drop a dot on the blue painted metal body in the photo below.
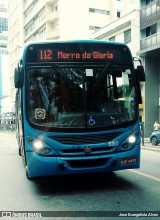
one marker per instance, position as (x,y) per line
(72,163)
(71,158)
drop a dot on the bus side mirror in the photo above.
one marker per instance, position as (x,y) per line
(18,78)
(140,74)
(139,70)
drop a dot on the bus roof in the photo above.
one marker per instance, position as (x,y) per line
(74,41)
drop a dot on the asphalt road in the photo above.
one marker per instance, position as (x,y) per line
(127,191)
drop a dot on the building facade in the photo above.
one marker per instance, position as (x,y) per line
(150,54)
(4,59)
(125,30)
(16,38)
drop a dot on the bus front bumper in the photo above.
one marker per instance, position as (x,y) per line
(50,166)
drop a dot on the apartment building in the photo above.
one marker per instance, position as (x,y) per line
(150,53)
(33,20)
(125,30)
(4,59)
(70,19)
(15,23)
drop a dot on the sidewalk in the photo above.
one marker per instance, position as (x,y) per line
(148,146)
(146,140)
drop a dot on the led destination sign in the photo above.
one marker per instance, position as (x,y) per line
(48,55)
(77,52)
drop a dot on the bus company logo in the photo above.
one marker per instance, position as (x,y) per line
(87,150)
(40,113)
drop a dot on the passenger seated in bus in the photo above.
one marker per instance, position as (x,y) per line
(33,98)
(53,100)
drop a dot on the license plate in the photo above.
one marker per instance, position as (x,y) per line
(128,161)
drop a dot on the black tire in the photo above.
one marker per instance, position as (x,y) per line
(19,151)
(154,140)
(20,147)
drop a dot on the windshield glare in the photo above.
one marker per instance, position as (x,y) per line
(76,97)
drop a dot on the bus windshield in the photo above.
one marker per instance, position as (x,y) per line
(80,96)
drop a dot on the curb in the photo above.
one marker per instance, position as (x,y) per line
(150,148)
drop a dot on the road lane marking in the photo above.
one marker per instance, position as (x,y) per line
(146,175)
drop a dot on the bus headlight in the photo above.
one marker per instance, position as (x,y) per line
(38,144)
(129,143)
(43,149)
(131,139)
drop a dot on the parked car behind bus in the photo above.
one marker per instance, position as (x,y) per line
(155,137)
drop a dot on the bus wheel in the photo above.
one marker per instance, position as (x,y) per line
(23,157)
(20,148)
(20,151)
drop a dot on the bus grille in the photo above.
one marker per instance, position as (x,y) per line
(86,139)
(81,150)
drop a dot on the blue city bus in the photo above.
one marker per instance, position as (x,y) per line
(77,107)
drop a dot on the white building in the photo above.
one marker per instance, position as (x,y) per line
(125,30)
(15,25)
(5,101)
(68,19)
(32,20)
